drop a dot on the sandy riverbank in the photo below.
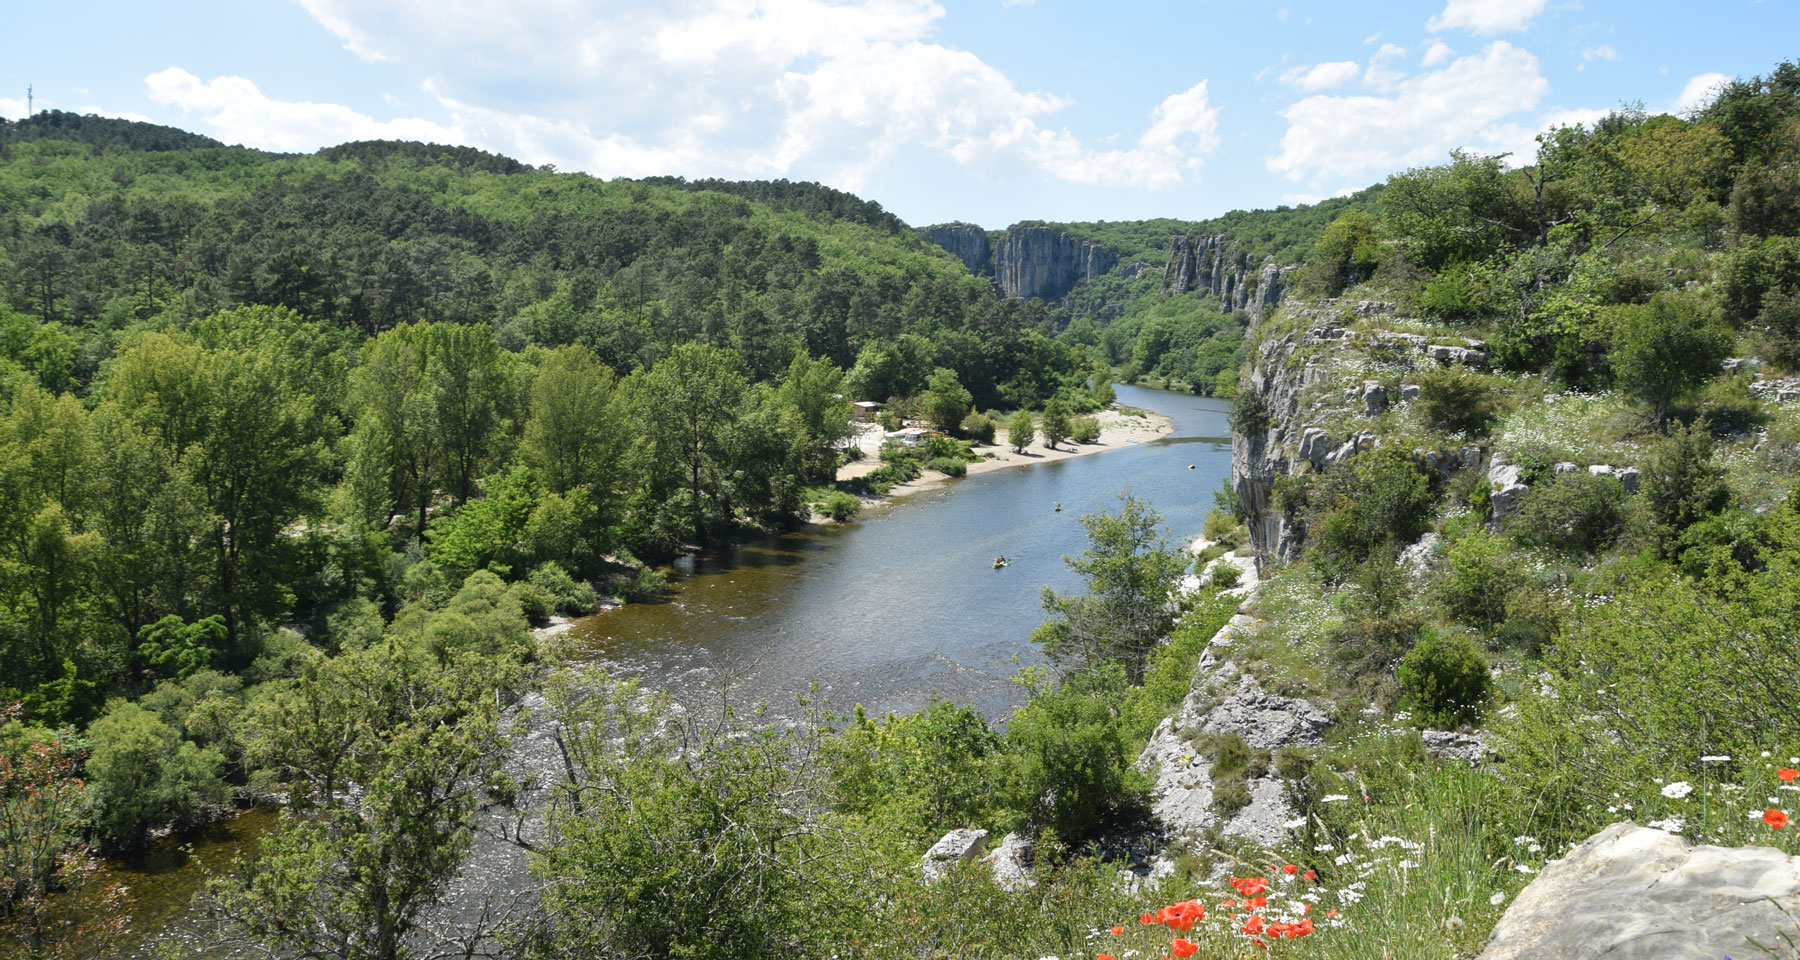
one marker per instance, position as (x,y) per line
(1117,429)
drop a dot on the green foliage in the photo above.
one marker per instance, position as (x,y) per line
(1084,429)
(386,756)
(1224,575)
(1346,253)
(1575,512)
(1128,570)
(1454,399)
(1681,484)
(1669,671)
(1460,293)
(1666,348)
(841,506)
(645,789)
(1071,762)
(1383,498)
(946,401)
(949,466)
(1055,425)
(978,427)
(1170,674)
(175,649)
(567,596)
(1756,271)
(1478,574)
(141,774)
(1020,431)
(1444,680)
(914,774)
(489,532)
(1249,413)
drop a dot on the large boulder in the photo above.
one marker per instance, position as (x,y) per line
(1633,893)
(956,847)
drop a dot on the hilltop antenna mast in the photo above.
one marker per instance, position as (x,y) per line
(28,101)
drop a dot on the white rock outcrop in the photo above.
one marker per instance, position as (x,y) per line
(957,846)
(1633,893)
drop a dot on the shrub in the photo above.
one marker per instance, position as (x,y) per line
(1221,527)
(1458,294)
(1070,763)
(841,506)
(1665,348)
(1681,484)
(1020,431)
(979,427)
(1224,575)
(1084,429)
(1477,573)
(1384,498)
(141,774)
(1055,424)
(1577,511)
(1780,323)
(645,584)
(1444,680)
(1456,400)
(1249,413)
(946,399)
(949,466)
(567,596)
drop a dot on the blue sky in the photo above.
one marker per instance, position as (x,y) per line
(988,111)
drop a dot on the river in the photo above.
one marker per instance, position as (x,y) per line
(885,611)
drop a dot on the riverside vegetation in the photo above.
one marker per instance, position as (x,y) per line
(197,464)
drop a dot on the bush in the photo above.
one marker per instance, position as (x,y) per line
(1681,484)
(1020,431)
(1224,575)
(1477,573)
(841,506)
(1665,348)
(1249,413)
(1084,429)
(1070,762)
(141,774)
(567,596)
(979,427)
(1458,294)
(1456,400)
(1780,323)
(949,466)
(1444,680)
(1221,527)
(643,585)
(1383,498)
(1577,511)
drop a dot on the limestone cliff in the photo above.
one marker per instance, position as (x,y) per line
(1220,266)
(1026,261)
(966,242)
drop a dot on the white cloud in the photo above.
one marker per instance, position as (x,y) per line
(1322,76)
(1601,52)
(1699,91)
(1467,103)
(1438,53)
(1381,77)
(1486,17)
(1301,199)
(12,109)
(241,113)
(1519,140)
(827,89)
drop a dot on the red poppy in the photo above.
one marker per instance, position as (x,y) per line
(1290,869)
(1312,875)
(1183,947)
(1103,956)
(1254,926)
(1147,918)
(1775,818)
(1332,912)
(1118,930)
(1787,774)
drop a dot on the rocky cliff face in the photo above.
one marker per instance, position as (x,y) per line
(1027,262)
(966,242)
(1046,263)
(1216,265)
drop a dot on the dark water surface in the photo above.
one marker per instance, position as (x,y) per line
(884,611)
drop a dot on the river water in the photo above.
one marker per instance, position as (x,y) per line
(886,611)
